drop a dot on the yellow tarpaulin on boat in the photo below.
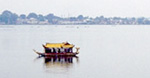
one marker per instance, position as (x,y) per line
(59,45)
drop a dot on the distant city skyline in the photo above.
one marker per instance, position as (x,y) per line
(69,8)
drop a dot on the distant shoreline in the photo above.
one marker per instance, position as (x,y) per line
(70,25)
(9,18)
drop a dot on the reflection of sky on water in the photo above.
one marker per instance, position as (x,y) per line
(59,65)
(106,51)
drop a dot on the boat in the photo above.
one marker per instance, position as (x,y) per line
(58,49)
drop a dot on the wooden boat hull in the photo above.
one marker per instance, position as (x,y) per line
(57,54)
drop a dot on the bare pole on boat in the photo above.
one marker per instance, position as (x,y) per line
(77,50)
(36,52)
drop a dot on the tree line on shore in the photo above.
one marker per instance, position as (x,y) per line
(7,17)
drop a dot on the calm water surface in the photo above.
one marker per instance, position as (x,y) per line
(106,52)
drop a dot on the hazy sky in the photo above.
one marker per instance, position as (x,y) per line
(92,8)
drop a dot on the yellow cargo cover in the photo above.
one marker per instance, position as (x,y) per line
(59,45)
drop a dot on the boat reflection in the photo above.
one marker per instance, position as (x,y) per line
(65,61)
(59,64)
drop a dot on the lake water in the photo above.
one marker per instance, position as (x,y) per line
(121,51)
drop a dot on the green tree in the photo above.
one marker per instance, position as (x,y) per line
(22,16)
(80,17)
(32,15)
(50,18)
(41,18)
(8,17)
